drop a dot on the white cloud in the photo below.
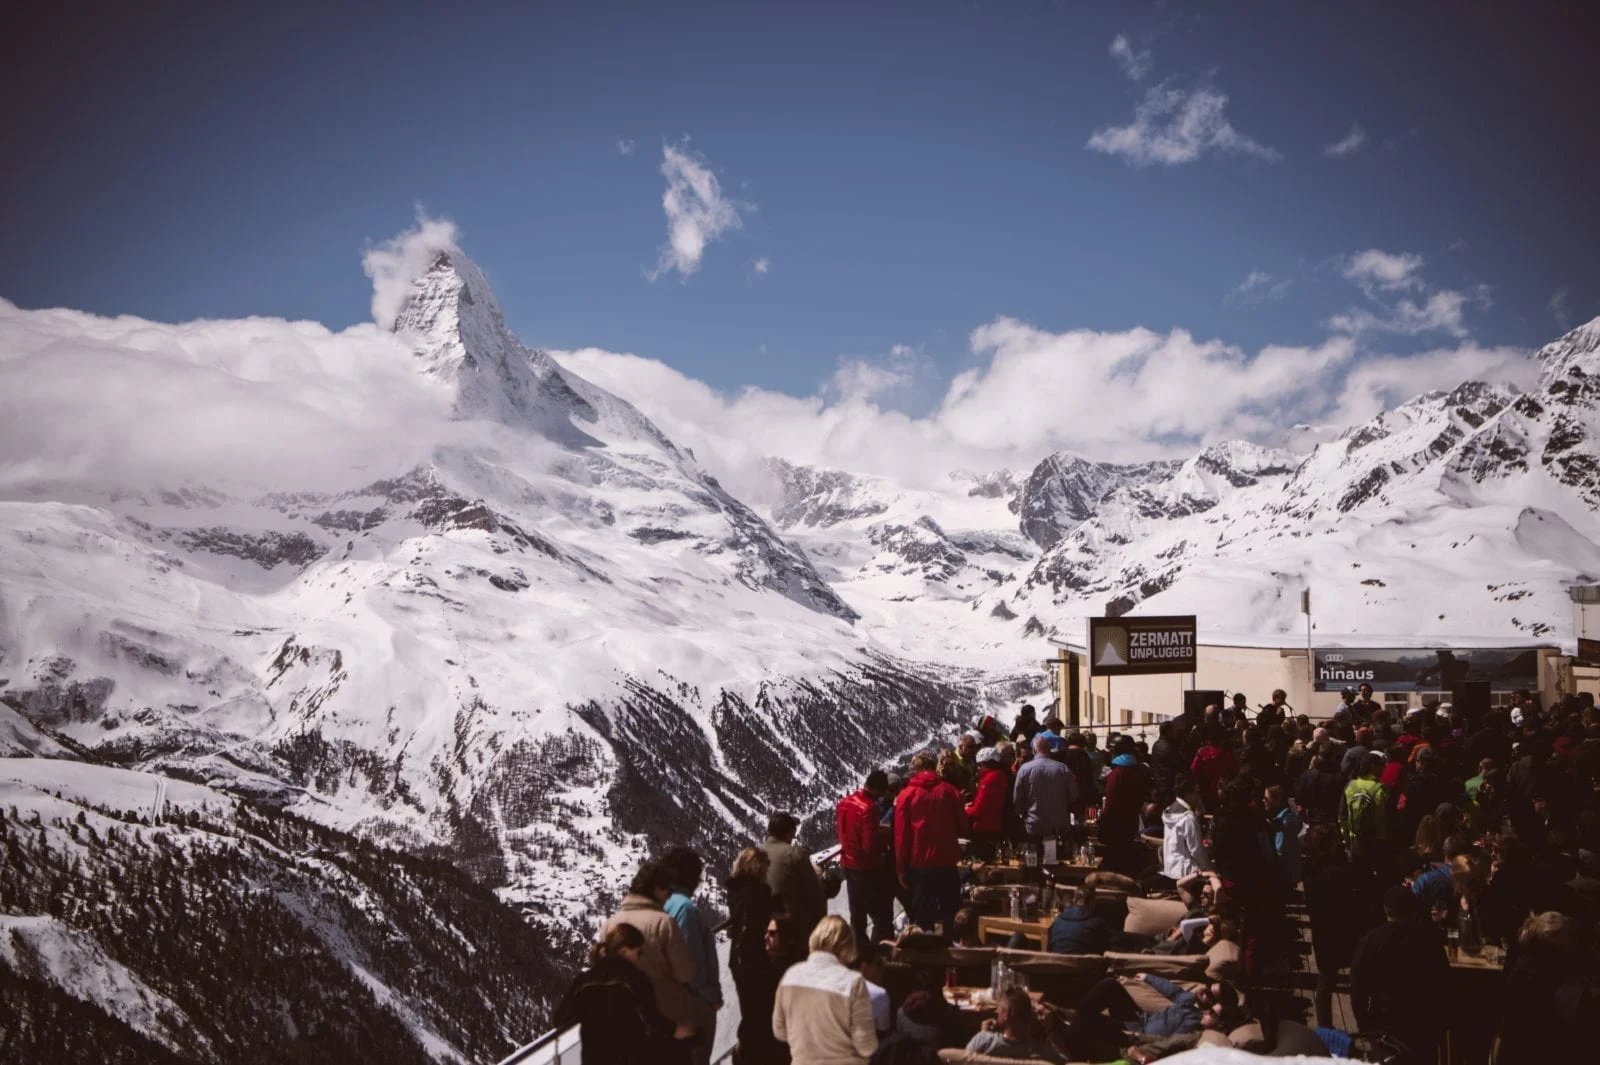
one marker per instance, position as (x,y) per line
(623,146)
(893,380)
(1114,395)
(1135,63)
(1559,311)
(260,404)
(762,265)
(1172,126)
(395,263)
(1258,287)
(697,212)
(1378,384)
(1352,142)
(1442,312)
(1374,269)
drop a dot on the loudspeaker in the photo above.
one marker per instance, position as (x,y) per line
(1471,697)
(1195,702)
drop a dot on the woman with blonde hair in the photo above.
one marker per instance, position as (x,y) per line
(823,1009)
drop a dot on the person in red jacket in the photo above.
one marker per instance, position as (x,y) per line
(929,818)
(1213,766)
(986,812)
(1126,787)
(862,844)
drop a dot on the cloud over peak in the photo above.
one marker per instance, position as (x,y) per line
(397,262)
(1172,126)
(697,211)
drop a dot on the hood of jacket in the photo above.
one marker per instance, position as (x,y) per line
(640,902)
(1174,815)
(925,780)
(1076,913)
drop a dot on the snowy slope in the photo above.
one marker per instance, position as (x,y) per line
(1457,515)
(229,934)
(555,644)
(1462,514)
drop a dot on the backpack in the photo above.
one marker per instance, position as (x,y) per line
(1360,815)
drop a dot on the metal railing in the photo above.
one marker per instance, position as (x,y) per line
(565,1047)
(560,1047)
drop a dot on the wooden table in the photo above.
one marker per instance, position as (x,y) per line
(1034,930)
(1476,962)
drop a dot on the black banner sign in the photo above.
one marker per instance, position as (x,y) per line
(1127,646)
(1424,669)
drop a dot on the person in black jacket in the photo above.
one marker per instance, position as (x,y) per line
(1335,909)
(1400,978)
(1319,790)
(614,1005)
(1549,997)
(754,979)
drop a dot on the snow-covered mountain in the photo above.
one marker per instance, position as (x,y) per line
(557,642)
(1457,514)
(547,651)
(1461,513)
(153,920)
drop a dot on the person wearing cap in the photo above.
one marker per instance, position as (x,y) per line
(1400,977)
(986,811)
(988,730)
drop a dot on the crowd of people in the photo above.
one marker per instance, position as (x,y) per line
(1398,829)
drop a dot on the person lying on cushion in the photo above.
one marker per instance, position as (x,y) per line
(1110,1014)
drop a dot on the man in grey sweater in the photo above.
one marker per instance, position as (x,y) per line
(1044,793)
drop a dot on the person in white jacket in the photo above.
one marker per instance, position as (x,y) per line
(823,1009)
(1183,849)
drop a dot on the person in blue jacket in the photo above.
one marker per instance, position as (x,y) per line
(1078,929)
(1108,1012)
(684,869)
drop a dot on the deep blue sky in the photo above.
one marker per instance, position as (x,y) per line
(912,176)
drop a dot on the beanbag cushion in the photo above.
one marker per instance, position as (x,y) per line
(1153,917)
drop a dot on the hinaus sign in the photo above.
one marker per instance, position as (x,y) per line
(1426,669)
(1127,647)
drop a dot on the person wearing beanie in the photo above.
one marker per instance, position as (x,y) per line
(1125,790)
(988,730)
